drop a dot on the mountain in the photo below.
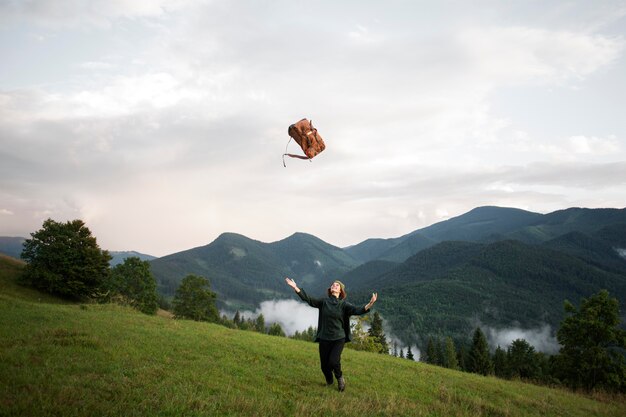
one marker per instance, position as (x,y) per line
(118,257)
(449,288)
(593,250)
(12,246)
(492,224)
(481,223)
(560,222)
(245,272)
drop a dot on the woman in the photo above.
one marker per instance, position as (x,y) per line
(333,326)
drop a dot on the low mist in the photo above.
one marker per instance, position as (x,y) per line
(293,315)
(542,338)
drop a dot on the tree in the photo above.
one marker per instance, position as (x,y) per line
(194,300)
(499,363)
(64,259)
(431,352)
(134,281)
(522,360)
(276,330)
(462,357)
(591,341)
(449,356)
(377,333)
(439,353)
(259,324)
(237,318)
(409,354)
(478,360)
(361,340)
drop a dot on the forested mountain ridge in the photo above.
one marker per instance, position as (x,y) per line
(448,288)
(490,224)
(245,272)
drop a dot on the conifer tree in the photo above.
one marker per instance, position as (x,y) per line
(402,353)
(409,354)
(431,352)
(479,360)
(461,357)
(376,332)
(499,363)
(276,330)
(450,360)
(439,353)
(237,318)
(259,324)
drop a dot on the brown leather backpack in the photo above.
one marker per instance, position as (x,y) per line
(307,137)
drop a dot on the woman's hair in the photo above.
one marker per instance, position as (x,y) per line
(342,290)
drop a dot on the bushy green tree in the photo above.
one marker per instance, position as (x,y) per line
(592,343)
(134,281)
(377,333)
(194,300)
(478,359)
(64,259)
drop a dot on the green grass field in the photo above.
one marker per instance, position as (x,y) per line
(64,359)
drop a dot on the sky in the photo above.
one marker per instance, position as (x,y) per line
(162,123)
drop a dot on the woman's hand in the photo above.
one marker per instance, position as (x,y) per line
(372,301)
(292,284)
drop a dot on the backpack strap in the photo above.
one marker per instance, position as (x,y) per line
(292,155)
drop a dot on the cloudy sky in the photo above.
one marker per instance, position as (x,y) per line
(162,123)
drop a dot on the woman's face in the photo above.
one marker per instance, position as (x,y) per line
(335,289)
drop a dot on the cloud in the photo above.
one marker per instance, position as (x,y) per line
(594,145)
(78,13)
(290,314)
(527,54)
(178,116)
(542,339)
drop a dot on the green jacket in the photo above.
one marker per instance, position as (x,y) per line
(333,322)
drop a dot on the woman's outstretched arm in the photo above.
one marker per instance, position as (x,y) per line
(372,301)
(292,284)
(313,302)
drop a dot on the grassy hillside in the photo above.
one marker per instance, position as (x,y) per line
(105,360)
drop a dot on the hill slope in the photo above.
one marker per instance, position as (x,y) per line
(126,363)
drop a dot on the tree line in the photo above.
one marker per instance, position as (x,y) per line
(64,259)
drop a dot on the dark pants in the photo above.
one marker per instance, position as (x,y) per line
(330,358)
